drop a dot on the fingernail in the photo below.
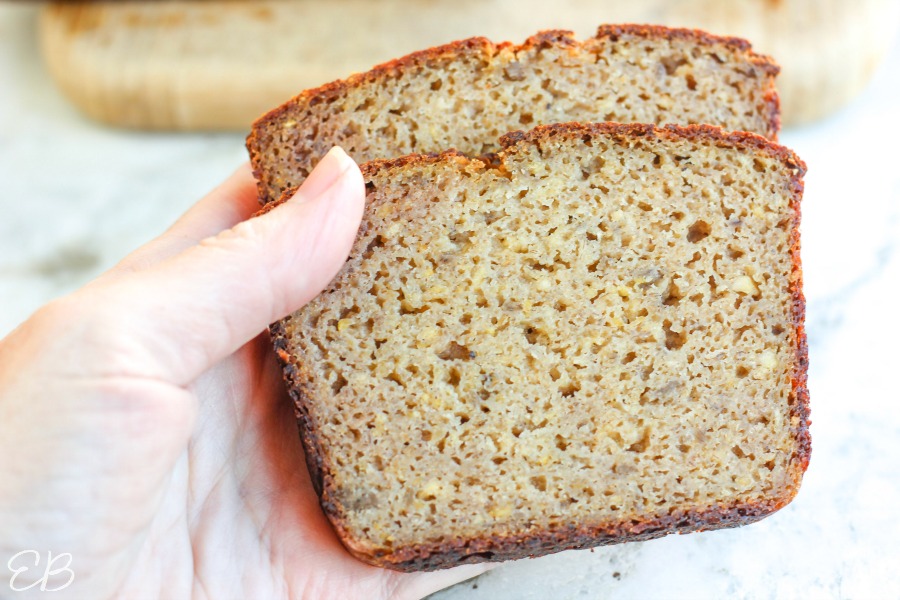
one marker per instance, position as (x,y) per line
(332,166)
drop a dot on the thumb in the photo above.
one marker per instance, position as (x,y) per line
(203,304)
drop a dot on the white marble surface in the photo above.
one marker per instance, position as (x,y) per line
(74,197)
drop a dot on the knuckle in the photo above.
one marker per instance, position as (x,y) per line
(90,323)
(242,234)
(59,314)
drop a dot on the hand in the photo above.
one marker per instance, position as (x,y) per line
(144,427)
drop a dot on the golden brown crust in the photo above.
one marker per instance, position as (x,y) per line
(569,535)
(433,57)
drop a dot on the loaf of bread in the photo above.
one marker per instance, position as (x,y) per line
(467,94)
(595,337)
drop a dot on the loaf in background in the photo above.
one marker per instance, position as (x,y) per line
(204,64)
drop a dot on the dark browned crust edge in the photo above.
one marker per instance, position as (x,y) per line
(565,536)
(542,39)
(297,378)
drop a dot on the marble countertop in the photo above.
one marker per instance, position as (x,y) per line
(75,197)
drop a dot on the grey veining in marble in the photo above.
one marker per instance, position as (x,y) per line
(76,196)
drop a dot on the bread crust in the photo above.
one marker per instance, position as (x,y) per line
(565,536)
(488,49)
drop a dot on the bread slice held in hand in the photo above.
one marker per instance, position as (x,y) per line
(467,94)
(596,338)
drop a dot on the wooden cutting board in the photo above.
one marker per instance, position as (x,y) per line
(213,65)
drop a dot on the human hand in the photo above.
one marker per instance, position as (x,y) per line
(144,428)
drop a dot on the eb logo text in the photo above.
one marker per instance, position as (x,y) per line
(27,571)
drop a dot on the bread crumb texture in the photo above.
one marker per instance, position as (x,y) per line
(600,328)
(466,95)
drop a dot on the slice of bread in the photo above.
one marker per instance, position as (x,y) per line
(467,94)
(597,337)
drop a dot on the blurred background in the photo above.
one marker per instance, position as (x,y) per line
(115,117)
(217,65)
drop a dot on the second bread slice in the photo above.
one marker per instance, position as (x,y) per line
(467,94)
